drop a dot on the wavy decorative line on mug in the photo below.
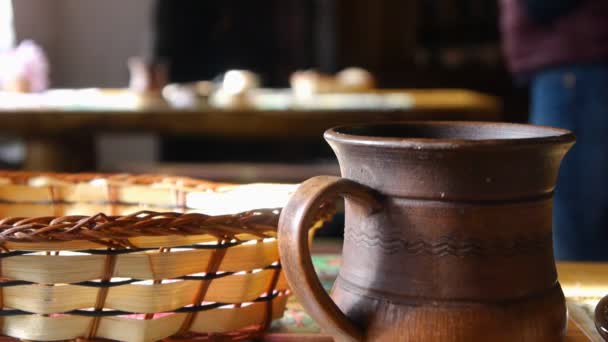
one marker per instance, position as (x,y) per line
(452,245)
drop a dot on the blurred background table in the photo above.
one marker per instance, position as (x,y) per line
(60,136)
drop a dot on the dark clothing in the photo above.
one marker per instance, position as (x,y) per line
(575,97)
(546,11)
(563,52)
(578,36)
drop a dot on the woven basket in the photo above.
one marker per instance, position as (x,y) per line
(131,258)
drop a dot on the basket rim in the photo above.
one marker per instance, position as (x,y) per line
(115,230)
(117,179)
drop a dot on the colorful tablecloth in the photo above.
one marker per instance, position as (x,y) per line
(295,319)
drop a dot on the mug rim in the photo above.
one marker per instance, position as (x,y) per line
(552,136)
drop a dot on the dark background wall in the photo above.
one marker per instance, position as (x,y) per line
(428,44)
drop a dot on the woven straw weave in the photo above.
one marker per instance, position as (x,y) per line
(128,258)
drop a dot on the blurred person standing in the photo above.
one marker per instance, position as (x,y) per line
(561,48)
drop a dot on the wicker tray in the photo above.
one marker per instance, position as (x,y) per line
(136,258)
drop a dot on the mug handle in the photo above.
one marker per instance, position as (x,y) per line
(601,318)
(294,224)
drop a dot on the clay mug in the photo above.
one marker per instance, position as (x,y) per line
(601,318)
(447,233)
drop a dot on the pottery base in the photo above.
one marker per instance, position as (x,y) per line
(538,318)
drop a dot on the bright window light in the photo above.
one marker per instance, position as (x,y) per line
(7,32)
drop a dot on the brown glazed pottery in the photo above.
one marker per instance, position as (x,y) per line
(447,233)
(601,318)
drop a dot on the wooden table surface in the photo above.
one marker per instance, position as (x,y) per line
(580,281)
(588,279)
(444,104)
(577,279)
(55,135)
(574,335)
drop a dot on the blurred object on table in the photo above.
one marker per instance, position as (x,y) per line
(146,77)
(24,69)
(356,79)
(350,89)
(189,95)
(235,89)
(307,83)
(147,80)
